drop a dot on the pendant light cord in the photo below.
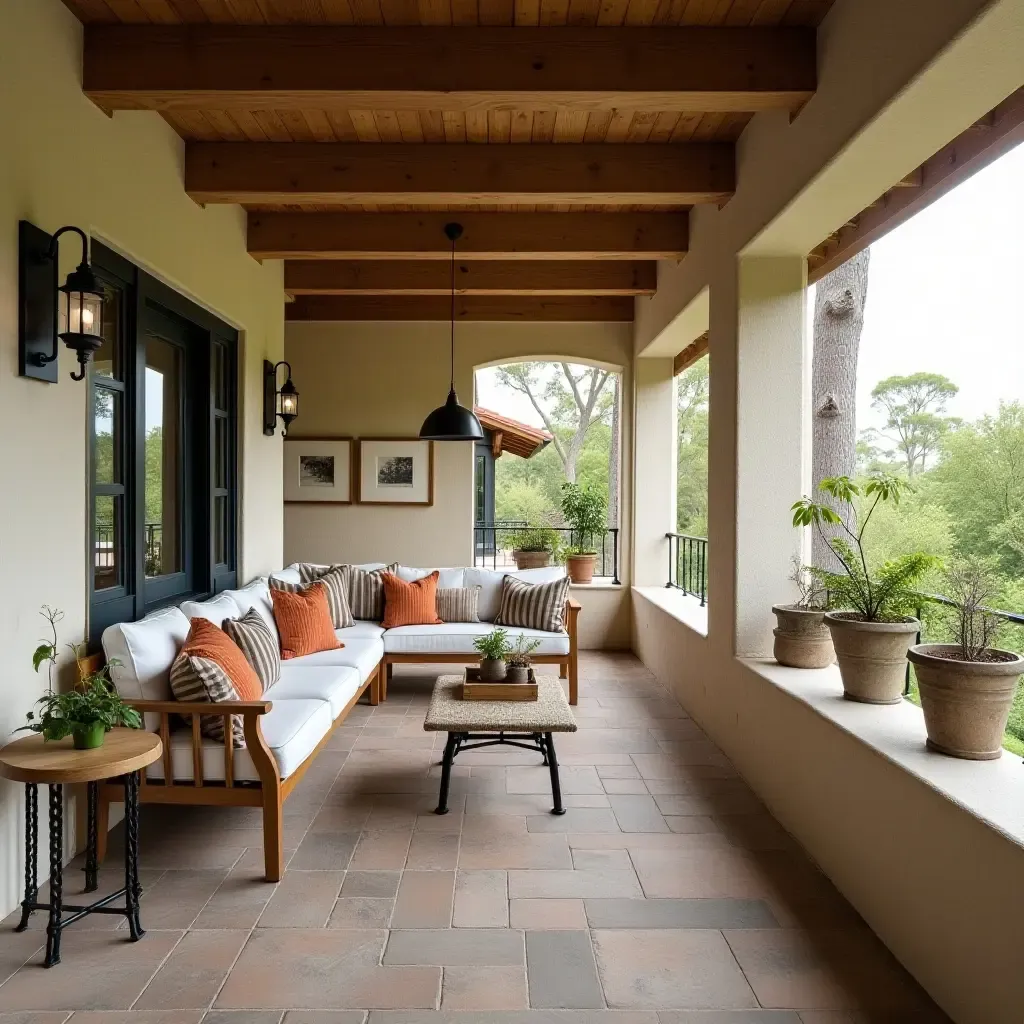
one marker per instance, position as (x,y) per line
(453,314)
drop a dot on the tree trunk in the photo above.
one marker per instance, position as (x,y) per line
(838,322)
(613,457)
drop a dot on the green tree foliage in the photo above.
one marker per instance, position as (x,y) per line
(692,448)
(914,406)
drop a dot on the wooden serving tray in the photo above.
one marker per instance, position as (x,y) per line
(473,689)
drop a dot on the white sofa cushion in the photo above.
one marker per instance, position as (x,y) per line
(257,595)
(458,637)
(447,578)
(492,581)
(216,609)
(145,651)
(289,574)
(292,729)
(360,630)
(336,684)
(362,655)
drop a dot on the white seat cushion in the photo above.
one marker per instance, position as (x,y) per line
(361,630)
(336,684)
(256,595)
(292,729)
(362,655)
(290,574)
(144,652)
(458,637)
(447,578)
(492,581)
(218,608)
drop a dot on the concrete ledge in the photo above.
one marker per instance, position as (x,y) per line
(683,607)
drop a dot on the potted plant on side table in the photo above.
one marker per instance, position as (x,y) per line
(87,712)
(518,660)
(493,648)
(584,511)
(534,548)
(802,640)
(872,633)
(967,687)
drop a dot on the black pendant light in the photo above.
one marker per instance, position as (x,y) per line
(451,421)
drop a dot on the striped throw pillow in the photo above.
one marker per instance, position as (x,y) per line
(533,606)
(335,578)
(366,591)
(258,644)
(458,604)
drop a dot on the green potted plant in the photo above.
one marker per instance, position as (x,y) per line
(584,511)
(87,712)
(872,632)
(518,660)
(493,647)
(534,548)
(802,640)
(967,687)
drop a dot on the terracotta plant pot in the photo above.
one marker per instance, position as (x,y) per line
(517,674)
(580,568)
(88,736)
(492,670)
(872,656)
(531,559)
(965,703)
(802,639)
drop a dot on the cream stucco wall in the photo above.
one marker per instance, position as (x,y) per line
(120,179)
(381,379)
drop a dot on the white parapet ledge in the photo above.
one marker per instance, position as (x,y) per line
(600,583)
(992,791)
(683,607)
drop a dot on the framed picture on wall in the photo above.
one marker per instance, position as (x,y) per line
(318,470)
(395,471)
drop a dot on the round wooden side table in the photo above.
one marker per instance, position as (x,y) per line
(125,752)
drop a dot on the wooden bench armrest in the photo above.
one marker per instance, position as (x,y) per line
(178,707)
(572,604)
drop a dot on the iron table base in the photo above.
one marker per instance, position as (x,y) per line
(131,890)
(542,742)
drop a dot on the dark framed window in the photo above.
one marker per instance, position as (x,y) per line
(163,449)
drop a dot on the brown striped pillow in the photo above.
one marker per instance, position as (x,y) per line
(258,644)
(335,578)
(533,606)
(366,591)
(410,604)
(458,604)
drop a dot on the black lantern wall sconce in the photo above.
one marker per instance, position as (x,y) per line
(283,402)
(81,305)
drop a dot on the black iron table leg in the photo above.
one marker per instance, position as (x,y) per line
(91,863)
(556,788)
(133,891)
(446,773)
(53,926)
(31,854)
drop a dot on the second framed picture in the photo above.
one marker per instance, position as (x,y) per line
(394,471)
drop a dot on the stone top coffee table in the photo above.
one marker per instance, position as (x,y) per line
(472,724)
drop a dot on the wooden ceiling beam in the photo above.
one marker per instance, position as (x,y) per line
(526,308)
(463,174)
(685,359)
(472,277)
(217,67)
(486,236)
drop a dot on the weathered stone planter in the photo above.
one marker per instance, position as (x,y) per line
(802,639)
(965,703)
(580,568)
(492,670)
(531,559)
(872,656)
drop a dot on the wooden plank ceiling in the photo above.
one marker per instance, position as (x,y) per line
(570,137)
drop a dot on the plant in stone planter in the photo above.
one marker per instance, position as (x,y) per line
(967,687)
(493,648)
(535,547)
(86,713)
(584,511)
(519,659)
(802,640)
(872,633)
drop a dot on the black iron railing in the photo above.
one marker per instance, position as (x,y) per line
(495,543)
(104,552)
(688,564)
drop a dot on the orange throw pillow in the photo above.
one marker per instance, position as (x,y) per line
(207,640)
(304,621)
(410,604)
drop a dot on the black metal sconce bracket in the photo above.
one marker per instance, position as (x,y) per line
(37,305)
(269,398)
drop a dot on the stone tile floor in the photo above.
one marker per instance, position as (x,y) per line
(666,895)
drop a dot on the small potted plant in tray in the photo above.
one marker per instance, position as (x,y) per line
(584,511)
(534,548)
(967,687)
(802,639)
(86,713)
(493,648)
(873,634)
(518,660)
